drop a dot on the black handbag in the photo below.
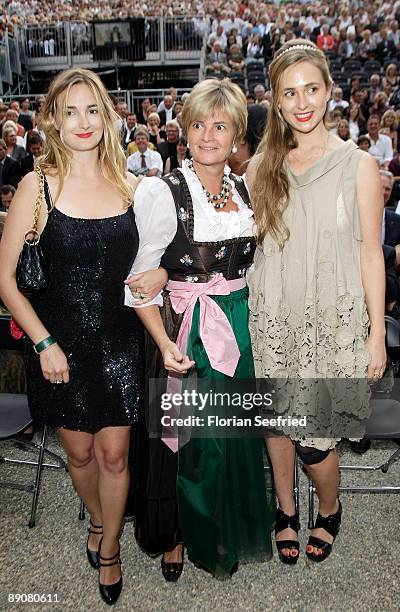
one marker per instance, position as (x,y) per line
(31,268)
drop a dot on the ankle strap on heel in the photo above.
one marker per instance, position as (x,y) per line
(92,526)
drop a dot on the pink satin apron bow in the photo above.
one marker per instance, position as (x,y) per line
(215,330)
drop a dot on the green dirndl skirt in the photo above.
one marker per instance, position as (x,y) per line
(226,509)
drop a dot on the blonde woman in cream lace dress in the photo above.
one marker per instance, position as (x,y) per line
(317,291)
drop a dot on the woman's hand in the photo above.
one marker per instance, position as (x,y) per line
(146,285)
(377,350)
(173,359)
(54,364)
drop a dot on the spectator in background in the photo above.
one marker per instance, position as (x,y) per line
(374,87)
(391,76)
(259,93)
(10,173)
(153,127)
(182,153)
(367,46)
(3,217)
(216,59)
(12,115)
(363,143)
(6,194)
(25,115)
(380,144)
(235,58)
(325,40)
(337,100)
(10,138)
(201,24)
(389,126)
(128,130)
(387,181)
(34,148)
(349,47)
(168,113)
(386,47)
(144,112)
(254,50)
(168,147)
(380,105)
(256,122)
(343,130)
(144,162)
(357,123)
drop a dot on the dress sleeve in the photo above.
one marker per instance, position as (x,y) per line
(156,222)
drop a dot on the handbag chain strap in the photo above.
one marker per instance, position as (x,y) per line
(33,232)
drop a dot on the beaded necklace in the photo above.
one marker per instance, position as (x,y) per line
(220,199)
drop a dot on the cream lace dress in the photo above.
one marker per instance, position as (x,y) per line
(308,317)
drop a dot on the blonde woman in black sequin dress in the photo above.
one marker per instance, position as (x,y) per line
(85,355)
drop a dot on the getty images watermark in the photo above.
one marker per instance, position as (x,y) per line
(206,401)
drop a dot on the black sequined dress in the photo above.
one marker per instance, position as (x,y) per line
(83,309)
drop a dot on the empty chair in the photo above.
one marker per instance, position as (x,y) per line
(335,65)
(371,66)
(255,66)
(352,65)
(14,418)
(384,423)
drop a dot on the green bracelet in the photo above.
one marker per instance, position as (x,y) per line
(44,344)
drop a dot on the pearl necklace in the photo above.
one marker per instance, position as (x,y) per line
(222,195)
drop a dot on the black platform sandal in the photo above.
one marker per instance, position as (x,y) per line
(331,524)
(283,521)
(172,571)
(110,592)
(93,555)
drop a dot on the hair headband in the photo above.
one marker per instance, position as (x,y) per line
(295,47)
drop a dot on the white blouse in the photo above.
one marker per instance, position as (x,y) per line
(156,222)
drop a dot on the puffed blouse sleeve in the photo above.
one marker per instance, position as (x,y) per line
(156,222)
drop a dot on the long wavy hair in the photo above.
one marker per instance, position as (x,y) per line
(270,193)
(57,157)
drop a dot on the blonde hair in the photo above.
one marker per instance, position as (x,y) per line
(270,193)
(154,116)
(386,114)
(56,155)
(211,96)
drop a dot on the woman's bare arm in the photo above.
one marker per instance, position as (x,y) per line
(370,205)
(19,220)
(173,358)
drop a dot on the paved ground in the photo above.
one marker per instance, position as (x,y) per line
(362,574)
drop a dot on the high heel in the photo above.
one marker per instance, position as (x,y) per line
(331,524)
(172,571)
(110,592)
(93,555)
(283,521)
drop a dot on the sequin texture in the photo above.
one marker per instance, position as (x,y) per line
(83,308)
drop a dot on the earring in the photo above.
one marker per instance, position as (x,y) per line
(188,145)
(234,149)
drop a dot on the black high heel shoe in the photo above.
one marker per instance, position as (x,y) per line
(331,524)
(110,592)
(172,571)
(283,521)
(93,555)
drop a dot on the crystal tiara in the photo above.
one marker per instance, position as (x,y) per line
(294,47)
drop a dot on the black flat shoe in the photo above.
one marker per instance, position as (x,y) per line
(110,592)
(93,555)
(283,521)
(360,447)
(171,571)
(331,524)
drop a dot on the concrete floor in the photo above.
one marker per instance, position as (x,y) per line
(363,572)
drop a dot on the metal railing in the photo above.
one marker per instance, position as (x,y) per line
(71,43)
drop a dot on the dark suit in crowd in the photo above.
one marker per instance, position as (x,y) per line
(10,172)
